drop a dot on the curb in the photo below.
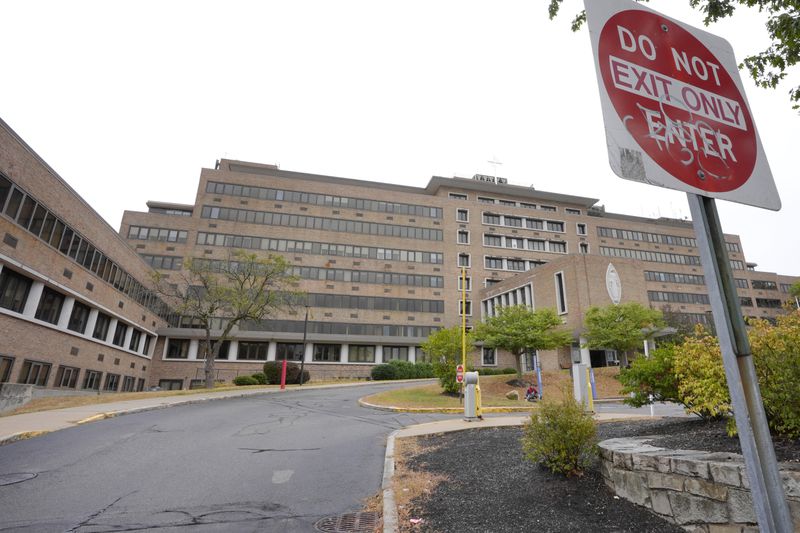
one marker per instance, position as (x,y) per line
(443,410)
(389,506)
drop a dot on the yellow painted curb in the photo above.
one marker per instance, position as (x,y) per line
(95,418)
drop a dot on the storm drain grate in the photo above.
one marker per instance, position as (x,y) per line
(10,479)
(348,523)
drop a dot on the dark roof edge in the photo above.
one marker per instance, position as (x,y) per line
(514,190)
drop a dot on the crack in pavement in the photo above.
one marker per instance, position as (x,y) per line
(99,512)
(262,450)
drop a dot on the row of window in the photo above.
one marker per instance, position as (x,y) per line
(522,222)
(519,243)
(317,248)
(164,262)
(294,351)
(657,238)
(677,297)
(786,287)
(171,211)
(376,303)
(362,204)
(339,328)
(68,377)
(321,223)
(37,219)
(515,265)
(512,203)
(646,255)
(675,277)
(765,285)
(143,233)
(367,276)
(14,292)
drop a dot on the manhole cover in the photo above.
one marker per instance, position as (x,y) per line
(348,523)
(10,479)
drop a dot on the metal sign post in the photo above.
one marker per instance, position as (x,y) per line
(769,499)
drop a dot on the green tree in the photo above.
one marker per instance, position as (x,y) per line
(794,290)
(444,348)
(216,296)
(651,379)
(517,329)
(622,327)
(768,67)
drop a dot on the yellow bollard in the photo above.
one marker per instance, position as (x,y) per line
(589,390)
(478,401)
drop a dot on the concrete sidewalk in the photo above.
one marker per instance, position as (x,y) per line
(17,427)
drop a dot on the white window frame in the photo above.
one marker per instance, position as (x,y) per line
(458,196)
(469,260)
(461,210)
(469,284)
(483,357)
(458,239)
(581,245)
(578,228)
(469,307)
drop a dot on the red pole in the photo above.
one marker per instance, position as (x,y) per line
(283,375)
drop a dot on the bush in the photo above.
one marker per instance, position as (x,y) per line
(561,437)
(403,369)
(496,371)
(384,372)
(776,356)
(272,371)
(244,380)
(700,375)
(651,376)
(423,371)
(260,377)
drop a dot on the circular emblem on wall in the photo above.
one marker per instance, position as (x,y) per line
(613,284)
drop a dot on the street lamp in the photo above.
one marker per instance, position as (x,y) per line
(303,357)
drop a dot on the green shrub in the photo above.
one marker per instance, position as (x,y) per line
(260,377)
(273,369)
(384,372)
(651,376)
(561,437)
(244,380)
(776,356)
(403,369)
(700,375)
(423,371)
(496,371)
(272,372)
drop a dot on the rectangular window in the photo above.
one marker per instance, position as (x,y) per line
(584,248)
(112,383)
(101,326)
(570,211)
(14,290)
(764,285)
(535,244)
(128,384)
(395,353)
(5,188)
(492,240)
(289,351)
(66,377)
(561,296)
(463,237)
(515,243)
(329,353)
(555,226)
(170,384)
(79,317)
(494,262)
(485,200)
(515,264)
(581,228)
(461,283)
(49,306)
(745,301)
(489,218)
(5,362)
(465,308)
(462,215)
(547,208)
(742,283)
(463,260)
(558,247)
(224,351)
(489,357)
(253,351)
(136,336)
(178,349)
(768,303)
(146,349)
(91,380)
(140,383)
(34,373)
(119,334)
(457,196)
(514,222)
(359,353)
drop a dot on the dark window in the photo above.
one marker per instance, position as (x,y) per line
(253,351)
(34,373)
(146,348)
(170,384)
(359,353)
(327,352)
(489,358)
(101,326)
(112,383)
(66,377)
(561,298)
(764,285)
(5,188)
(178,348)
(224,349)
(128,384)
(91,380)
(289,351)
(49,306)
(395,353)
(26,213)
(136,336)
(768,303)
(13,290)
(140,385)
(5,362)
(79,317)
(14,202)
(119,334)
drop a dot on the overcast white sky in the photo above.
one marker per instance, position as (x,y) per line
(129,100)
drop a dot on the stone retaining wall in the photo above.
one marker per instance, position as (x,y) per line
(700,491)
(13,395)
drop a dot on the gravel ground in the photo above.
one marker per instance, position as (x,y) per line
(492,489)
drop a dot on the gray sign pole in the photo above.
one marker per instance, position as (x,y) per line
(769,500)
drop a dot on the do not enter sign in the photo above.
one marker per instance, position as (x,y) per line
(460,374)
(674,107)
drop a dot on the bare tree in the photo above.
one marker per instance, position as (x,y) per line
(216,296)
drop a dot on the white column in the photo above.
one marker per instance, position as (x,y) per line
(412,354)
(378,354)
(34,295)
(344,356)
(586,358)
(193,344)
(128,335)
(309,353)
(66,312)
(142,341)
(90,323)
(271,351)
(112,328)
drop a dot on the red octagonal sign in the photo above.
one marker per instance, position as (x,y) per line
(675,112)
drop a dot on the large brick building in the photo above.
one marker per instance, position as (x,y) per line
(381,264)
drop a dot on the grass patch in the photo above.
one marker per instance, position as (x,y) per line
(557,385)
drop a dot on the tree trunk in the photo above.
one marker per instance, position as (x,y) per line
(209,365)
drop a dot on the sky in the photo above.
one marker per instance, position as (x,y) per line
(127,101)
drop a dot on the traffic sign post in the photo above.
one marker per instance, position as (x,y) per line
(676,116)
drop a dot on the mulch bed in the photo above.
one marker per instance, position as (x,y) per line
(492,488)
